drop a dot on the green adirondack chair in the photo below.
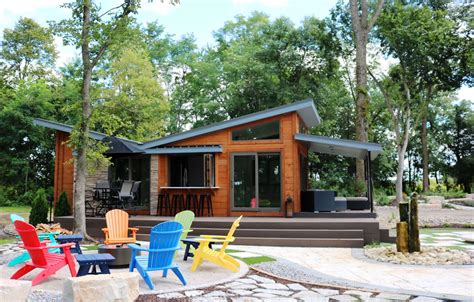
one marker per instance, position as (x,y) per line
(186,219)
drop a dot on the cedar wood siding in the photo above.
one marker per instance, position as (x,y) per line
(288,148)
(63,168)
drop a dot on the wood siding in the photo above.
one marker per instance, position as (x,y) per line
(63,168)
(288,148)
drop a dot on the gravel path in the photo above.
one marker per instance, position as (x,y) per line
(429,216)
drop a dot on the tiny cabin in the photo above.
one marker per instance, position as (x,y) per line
(253,165)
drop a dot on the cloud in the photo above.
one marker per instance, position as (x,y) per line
(266,3)
(157,7)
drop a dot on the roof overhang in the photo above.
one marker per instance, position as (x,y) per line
(344,147)
(65,128)
(306,110)
(185,149)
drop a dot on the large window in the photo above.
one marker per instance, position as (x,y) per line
(256,181)
(191,170)
(135,168)
(270,130)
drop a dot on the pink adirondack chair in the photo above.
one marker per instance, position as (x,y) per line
(40,257)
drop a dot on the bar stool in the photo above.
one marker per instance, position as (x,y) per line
(163,205)
(191,202)
(205,201)
(177,203)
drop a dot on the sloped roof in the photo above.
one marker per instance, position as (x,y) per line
(306,110)
(344,147)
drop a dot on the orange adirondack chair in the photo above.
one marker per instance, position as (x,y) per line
(117,228)
(40,257)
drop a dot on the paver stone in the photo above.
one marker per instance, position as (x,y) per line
(310,296)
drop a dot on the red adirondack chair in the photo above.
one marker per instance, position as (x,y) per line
(40,257)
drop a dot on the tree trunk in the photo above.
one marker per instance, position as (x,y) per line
(362,98)
(401,151)
(424,153)
(81,148)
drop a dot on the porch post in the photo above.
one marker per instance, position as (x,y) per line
(370,188)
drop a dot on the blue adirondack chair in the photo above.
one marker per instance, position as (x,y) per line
(164,242)
(43,236)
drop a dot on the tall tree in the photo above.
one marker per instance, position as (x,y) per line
(93,32)
(433,48)
(362,24)
(27,50)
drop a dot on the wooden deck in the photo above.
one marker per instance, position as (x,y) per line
(321,230)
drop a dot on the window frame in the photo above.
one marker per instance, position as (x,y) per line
(262,140)
(212,170)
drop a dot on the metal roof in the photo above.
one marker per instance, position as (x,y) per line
(344,147)
(68,128)
(306,110)
(185,149)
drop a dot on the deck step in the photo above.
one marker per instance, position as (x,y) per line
(297,242)
(265,233)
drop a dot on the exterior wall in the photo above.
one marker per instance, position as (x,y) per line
(153,184)
(221,196)
(91,180)
(63,168)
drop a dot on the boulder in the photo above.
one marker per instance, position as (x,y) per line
(116,287)
(434,199)
(14,290)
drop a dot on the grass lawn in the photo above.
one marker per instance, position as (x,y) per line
(15,209)
(6,241)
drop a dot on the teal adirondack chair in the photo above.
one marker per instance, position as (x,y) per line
(164,242)
(43,236)
(186,219)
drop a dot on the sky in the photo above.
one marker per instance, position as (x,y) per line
(199,17)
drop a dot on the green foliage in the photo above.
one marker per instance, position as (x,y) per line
(27,51)
(39,208)
(381,198)
(62,206)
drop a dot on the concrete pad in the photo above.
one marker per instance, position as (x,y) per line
(244,255)
(206,275)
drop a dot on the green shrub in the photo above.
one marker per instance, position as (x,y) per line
(454,194)
(39,208)
(26,198)
(382,200)
(62,206)
(7,196)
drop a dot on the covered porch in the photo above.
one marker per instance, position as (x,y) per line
(347,148)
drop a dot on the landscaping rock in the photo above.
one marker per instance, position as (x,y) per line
(264,295)
(39,295)
(193,293)
(358,293)
(247,281)
(119,287)
(285,293)
(209,299)
(171,296)
(280,299)
(246,299)
(14,290)
(390,296)
(261,279)
(273,286)
(344,298)
(427,256)
(241,292)
(325,291)
(296,287)
(217,293)
(310,296)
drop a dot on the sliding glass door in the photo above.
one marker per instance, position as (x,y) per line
(256,181)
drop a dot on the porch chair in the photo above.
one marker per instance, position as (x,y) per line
(164,242)
(117,228)
(40,257)
(217,257)
(122,195)
(42,237)
(133,195)
(186,219)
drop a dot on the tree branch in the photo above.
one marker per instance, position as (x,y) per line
(378,11)
(127,9)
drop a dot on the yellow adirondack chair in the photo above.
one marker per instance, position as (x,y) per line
(117,228)
(217,257)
